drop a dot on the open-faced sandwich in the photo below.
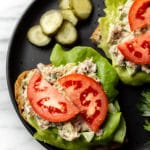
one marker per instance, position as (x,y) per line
(124,35)
(72,103)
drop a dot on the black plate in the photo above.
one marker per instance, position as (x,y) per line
(24,56)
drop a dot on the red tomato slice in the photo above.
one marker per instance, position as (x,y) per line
(137,50)
(89,96)
(47,102)
(139,14)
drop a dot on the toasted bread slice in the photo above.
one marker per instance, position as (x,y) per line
(96,35)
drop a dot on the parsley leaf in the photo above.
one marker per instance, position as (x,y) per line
(144,106)
(147,125)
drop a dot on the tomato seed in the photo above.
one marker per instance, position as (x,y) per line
(93,117)
(56,110)
(67,83)
(145,45)
(99,103)
(138,54)
(41,101)
(142,10)
(52,109)
(63,107)
(39,88)
(85,93)
(130,47)
(85,103)
(76,84)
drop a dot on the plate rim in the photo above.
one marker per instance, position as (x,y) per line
(28,127)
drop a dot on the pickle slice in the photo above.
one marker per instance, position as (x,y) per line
(69,16)
(37,37)
(67,34)
(51,21)
(82,8)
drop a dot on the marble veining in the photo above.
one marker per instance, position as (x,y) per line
(13,135)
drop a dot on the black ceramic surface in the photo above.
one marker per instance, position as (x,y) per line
(24,56)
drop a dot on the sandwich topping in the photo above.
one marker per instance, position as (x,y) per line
(68,97)
(133,51)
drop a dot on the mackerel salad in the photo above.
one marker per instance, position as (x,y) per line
(119,33)
(72,129)
(115,29)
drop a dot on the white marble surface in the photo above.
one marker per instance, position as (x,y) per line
(13,135)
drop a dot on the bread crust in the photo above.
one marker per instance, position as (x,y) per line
(96,35)
(18,88)
(18,93)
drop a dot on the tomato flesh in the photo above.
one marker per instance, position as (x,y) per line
(137,50)
(47,102)
(89,96)
(139,14)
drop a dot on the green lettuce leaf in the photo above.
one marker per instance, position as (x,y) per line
(109,128)
(138,79)
(51,136)
(144,105)
(105,71)
(112,16)
(120,133)
(144,108)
